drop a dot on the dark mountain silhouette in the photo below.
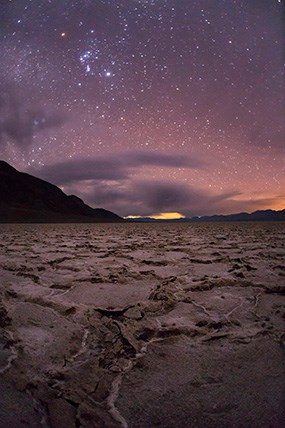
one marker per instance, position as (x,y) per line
(27,199)
(263,215)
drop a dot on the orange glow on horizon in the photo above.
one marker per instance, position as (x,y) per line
(160,216)
(167,216)
(277,206)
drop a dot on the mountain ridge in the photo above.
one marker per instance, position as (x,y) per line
(259,215)
(28,199)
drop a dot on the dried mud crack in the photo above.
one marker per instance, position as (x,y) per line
(142,325)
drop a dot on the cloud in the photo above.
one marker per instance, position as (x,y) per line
(20,121)
(141,158)
(163,196)
(116,166)
(101,168)
(148,197)
(111,181)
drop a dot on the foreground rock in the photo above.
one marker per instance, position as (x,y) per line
(142,325)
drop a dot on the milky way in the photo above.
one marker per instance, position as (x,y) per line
(147,106)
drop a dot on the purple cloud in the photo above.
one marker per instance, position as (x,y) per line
(118,166)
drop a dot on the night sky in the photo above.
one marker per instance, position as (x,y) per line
(147,106)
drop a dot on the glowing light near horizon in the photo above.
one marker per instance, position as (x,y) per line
(167,216)
(160,216)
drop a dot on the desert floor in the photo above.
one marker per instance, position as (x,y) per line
(142,325)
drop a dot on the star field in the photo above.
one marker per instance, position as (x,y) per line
(160,81)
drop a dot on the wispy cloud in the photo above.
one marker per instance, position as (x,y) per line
(20,120)
(117,166)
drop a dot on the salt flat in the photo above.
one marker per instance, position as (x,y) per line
(142,325)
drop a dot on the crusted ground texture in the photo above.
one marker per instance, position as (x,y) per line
(142,325)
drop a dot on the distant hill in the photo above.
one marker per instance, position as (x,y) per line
(265,215)
(27,199)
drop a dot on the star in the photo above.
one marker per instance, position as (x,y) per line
(169,77)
